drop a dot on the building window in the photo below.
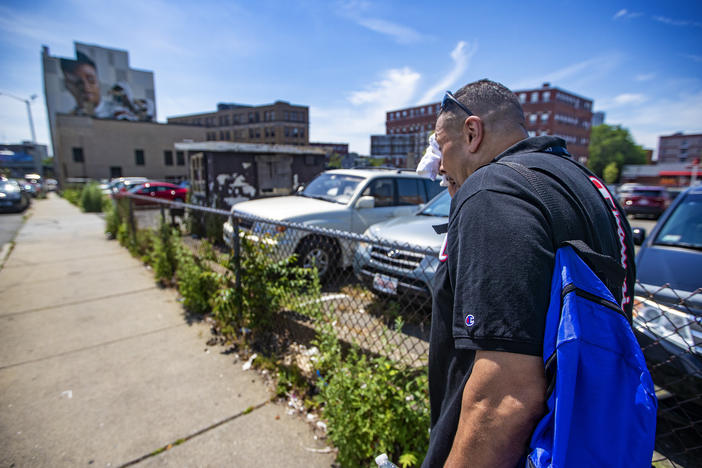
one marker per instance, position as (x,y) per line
(139,157)
(532,118)
(115,172)
(180,158)
(546,96)
(251,133)
(544,117)
(522,98)
(534,97)
(78,155)
(168,157)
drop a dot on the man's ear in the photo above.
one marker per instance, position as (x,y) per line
(473,132)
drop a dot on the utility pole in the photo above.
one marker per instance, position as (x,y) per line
(28,102)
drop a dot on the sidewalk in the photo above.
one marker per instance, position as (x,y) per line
(99,367)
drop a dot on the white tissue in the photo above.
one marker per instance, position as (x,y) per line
(429,164)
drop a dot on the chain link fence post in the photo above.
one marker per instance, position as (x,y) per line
(132,224)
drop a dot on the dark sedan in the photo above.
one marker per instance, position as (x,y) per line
(12,196)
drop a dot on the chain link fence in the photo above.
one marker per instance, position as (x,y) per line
(380,294)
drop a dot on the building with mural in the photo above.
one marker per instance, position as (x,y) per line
(102,115)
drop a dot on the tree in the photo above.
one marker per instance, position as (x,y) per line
(610,173)
(334,161)
(613,144)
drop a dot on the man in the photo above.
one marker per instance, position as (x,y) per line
(82,82)
(491,294)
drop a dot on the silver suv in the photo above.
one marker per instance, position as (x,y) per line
(343,199)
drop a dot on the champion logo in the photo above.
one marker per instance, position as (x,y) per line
(470,320)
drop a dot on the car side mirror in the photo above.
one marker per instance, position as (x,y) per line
(639,234)
(365,202)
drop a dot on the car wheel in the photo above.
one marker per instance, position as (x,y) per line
(320,252)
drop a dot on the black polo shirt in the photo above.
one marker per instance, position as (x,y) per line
(492,291)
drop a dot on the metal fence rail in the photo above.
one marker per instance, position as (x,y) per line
(379,294)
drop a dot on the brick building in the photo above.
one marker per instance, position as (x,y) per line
(552,111)
(679,148)
(277,123)
(548,111)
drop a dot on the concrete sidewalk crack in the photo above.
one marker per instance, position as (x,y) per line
(97,345)
(84,301)
(182,440)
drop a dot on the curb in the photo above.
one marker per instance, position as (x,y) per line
(5,252)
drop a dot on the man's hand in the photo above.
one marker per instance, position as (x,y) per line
(503,401)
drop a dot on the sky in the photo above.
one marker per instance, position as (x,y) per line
(351,61)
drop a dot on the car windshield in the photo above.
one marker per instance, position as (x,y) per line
(135,189)
(684,226)
(338,188)
(439,206)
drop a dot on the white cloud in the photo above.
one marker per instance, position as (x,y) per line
(645,76)
(681,113)
(629,98)
(677,22)
(361,13)
(364,112)
(400,34)
(626,14)
(461,56)
(693,57)
(576,76)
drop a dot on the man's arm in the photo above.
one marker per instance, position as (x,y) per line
(503,401)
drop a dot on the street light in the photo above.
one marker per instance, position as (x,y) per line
(29,110)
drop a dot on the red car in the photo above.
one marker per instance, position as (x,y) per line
(642,200)
(160,190)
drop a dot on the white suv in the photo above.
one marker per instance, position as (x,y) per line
(348,200)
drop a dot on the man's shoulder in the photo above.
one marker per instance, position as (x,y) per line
(491,178)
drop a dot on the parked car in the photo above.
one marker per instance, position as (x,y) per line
(159,190)
(124,184)
(51,185)
(669,266)
(396,272)
(12,197)
(343,199)
(644,200)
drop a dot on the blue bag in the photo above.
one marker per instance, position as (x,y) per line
(601,403)
(600,396)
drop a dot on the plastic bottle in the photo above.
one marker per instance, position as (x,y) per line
(383,462)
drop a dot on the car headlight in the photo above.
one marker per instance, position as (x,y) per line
(678,327)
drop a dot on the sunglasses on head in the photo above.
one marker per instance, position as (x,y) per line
(450,98)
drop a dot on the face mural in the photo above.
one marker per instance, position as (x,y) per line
(81,79)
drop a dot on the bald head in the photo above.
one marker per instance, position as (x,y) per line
(468,142)
(495,104)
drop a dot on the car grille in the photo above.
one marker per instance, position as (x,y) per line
(400,259)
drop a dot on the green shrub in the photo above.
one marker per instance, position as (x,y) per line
(196,284)
(91,198)
(112,221)
(373,406)
(266,284)
(72,195)
(163,255)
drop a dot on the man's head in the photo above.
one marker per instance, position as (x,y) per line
(468,142)
(82,82)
